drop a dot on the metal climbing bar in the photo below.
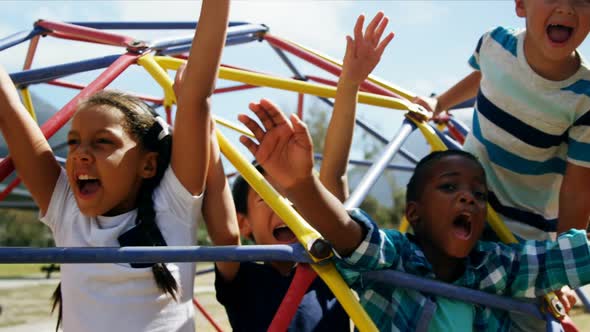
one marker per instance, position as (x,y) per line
(375,171)
(80,255)
(85,33)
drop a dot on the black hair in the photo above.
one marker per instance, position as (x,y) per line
(141,122)
(417,181)
(240,190)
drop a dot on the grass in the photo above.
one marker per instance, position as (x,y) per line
(20,270)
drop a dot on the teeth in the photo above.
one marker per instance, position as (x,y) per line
(86,177)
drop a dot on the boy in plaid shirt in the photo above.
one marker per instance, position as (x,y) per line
(446,205)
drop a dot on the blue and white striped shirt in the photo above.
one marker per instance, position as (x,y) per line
(525,130)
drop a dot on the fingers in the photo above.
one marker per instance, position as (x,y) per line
(350,49)
(252,125)
(379,30)
(358,28)
(371,28)
(249,144)
(273,112)
(383,44)
(301,132)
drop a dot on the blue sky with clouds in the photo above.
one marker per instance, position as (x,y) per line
(433,41)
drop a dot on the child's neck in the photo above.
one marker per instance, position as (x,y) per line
(445,268)
(554,70)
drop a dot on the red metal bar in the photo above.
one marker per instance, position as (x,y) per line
(86,33)
(60,118)
(168,110)
(300,106)
(322,80)
(304,276)
(31,52)
(455,133)
(9,188)
(235,88)
(68,36)
(321,63)
(206,314)
(77,86)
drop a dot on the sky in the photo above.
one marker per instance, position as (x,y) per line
(429,53)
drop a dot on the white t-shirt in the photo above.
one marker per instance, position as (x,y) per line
(117,297)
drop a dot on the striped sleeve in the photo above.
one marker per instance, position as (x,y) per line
(579,133)
(474,59)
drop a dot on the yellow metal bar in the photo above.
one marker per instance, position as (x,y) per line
(28,102)
(319,90)
(230,125)
(404,225)
(372,78)
(153,68)
(436,144)
(302,230)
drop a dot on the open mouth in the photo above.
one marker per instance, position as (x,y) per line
(87,185)
(283,234)
(462,226)
(558,33)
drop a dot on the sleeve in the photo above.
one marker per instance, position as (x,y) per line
(579,139)
(378,250)
(535,268)
(172,196)
(474,59)
(227,291)
(501,35)
(62,200)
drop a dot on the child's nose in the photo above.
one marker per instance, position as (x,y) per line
(82,153)
(465,196)
(566,6)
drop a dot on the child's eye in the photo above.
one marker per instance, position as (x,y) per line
(72,141)
(448,186)
(104,141)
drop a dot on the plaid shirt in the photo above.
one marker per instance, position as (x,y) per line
(528,269)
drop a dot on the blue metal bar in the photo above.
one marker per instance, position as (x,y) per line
(144,25)
(375,171)
(282,252)
(460,126)
(45,74)
(318,156)
(250,29)
(406,280)
(229,42)
(289,64)
(553,325)
(25,205)
(584,298)
(19,37)
(201,272)
(465,104)
(404,152)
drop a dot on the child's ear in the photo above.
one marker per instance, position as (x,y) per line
(244,225)
(412,213)
(149,165)
(520,8)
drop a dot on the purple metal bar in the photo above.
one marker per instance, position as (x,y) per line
(375,171)
(20,37)
(75,255)
(144,25)
(406,280)
(45,74)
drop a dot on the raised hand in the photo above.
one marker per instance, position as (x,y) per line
(284,146)
(365,50)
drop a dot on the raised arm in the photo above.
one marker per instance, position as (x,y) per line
(362,55)
(30,152)
(464,90)
(285,152)
(219,211)
(190,150)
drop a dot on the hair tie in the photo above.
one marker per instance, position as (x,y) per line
(165,131)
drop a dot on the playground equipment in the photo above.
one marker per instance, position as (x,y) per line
(157,57)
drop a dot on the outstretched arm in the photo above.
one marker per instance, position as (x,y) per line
(465,89)
(362,55)
(219,211)
(30,152)
(190,149)
(285,152)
